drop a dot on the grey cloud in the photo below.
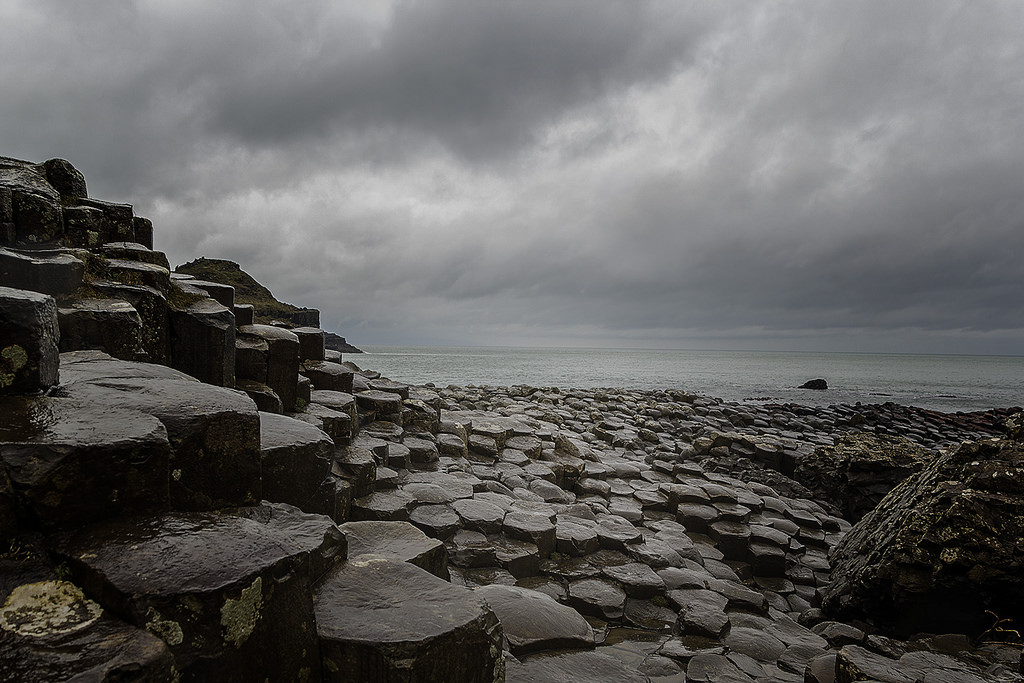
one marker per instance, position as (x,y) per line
(655,172)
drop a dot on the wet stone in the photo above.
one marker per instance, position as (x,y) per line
(72,462)
(383,506)
(701,612)
(647,615)
(42,622)
(471,549)
(696,517)
(534,621)
(479,515)
(714,668)
(397,541)
(520,558)
(382,620)
(598,598)
(214,432)
(755,643)
(575,538)
(437,521)
(615,532)
(228,592)
(596,667)
(534,528)
(638,580)
(296,459)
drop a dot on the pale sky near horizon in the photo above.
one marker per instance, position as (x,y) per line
(798,175)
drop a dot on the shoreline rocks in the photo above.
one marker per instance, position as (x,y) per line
(299,518)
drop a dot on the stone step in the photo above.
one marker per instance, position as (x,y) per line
(109,325)
(214,432)
(380,619)
(229,592)
(296,459)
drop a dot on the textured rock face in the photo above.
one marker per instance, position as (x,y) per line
(228,592)
(857,472)
(72,462)
(29,338)
(384,620)
(41,622)
(941,548)
(296,459)
(534,621)
(214,432)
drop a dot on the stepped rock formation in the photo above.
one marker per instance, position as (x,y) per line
(188,492)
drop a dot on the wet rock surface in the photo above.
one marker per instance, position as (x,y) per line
(616,534)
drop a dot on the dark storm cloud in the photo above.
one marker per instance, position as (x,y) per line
(797,175)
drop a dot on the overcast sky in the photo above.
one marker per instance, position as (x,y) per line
(754,175)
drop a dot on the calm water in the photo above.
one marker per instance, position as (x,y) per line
(947,383)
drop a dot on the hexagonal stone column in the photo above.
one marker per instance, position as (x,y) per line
(229,592)
(385,620)
(29,336)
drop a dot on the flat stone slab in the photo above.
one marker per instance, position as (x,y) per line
(228,592)
(72,462)
(397,541)
(383,620)
(535,621)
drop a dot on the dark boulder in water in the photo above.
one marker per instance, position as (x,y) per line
(816,384)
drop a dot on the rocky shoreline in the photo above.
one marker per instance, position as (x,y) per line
(186,495)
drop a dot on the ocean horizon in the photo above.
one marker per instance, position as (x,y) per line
(948,383)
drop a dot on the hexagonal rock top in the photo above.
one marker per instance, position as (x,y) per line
(534,621)
(384,620)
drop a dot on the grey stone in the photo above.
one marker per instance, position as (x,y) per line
(29,352)
(109,325)
(228,592)
(72,462)
(534,621)
(296,458)
(397,541)
(382,620)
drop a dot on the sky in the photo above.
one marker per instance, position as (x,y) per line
(771,175)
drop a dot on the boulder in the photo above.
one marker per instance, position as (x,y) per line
(66,179)
(151,306)
(383,620)
(71,462)
(397,541)
(29,338)
(815,384)
(35,205)
(229,592)
(281,359)
(941,549)
(43,622)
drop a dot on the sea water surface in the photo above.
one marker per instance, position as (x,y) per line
(940,382)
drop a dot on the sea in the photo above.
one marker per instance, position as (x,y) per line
(948,383)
